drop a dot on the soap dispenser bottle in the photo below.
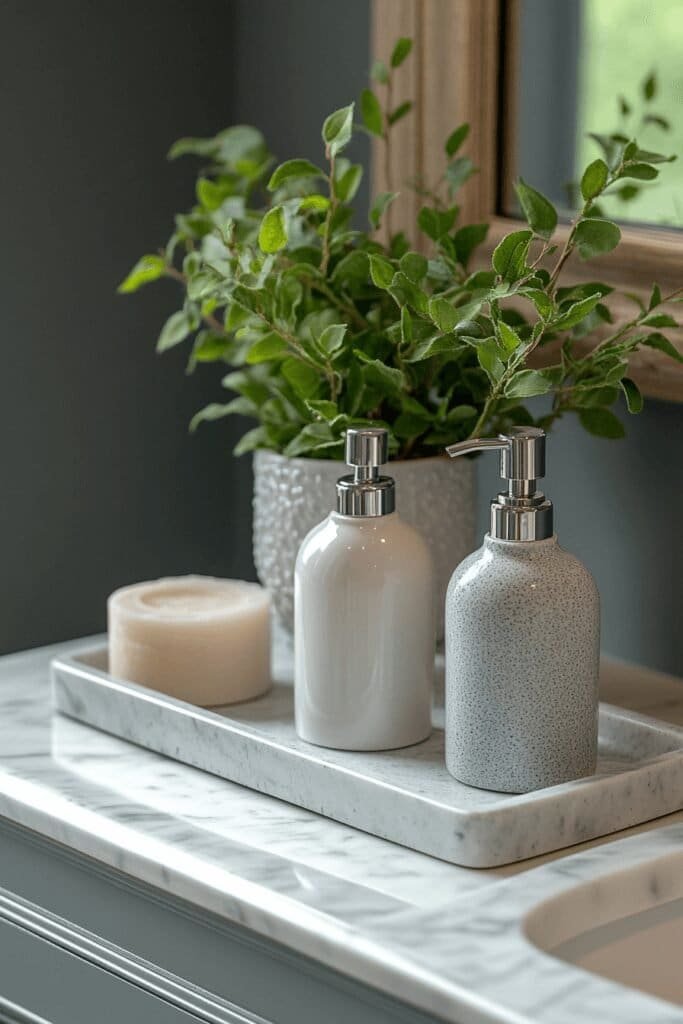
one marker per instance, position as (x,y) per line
(364,617)
(522,640)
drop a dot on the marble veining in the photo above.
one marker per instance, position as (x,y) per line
(403,795)
(448,939)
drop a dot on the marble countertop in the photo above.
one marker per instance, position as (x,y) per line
(399,920)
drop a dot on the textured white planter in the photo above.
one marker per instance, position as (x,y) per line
(291,496)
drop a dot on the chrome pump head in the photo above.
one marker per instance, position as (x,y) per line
(520,513)
(366,493)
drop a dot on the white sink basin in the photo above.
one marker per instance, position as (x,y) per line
(596,937)
(626,926)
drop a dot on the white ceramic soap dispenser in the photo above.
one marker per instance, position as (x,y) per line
(364,620)
(522,640)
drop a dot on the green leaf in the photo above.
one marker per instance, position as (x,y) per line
(371,112)
(346,185)
(576,312)
(489,359)
(594,396)
(596,236)
(616,371)
(456,139)
(649,87)
(443,314)
(594,179)
(466,240)
(442,344)
(509,256)
(212,193)
(202,284)
(634,399)
(628,192)
(352,269)
(269,347)
(337,129)
(540,213)
(313,437)
(304,380)
(542,302)
(660,320)
(481,279)
(527,383)
(149,268)
(381,271)
(401,51)
(293,169)
(655,297)
(406,292)
(380,72)
(414,266)
(661,122)
(406,326)
(389,379)
(400,111)
(601,422)
(209,347)
(193,147)
(583,291)
(247,384)
(646,156)
(461,413)
(272,234)
(378,208)
(175,330)
(436,223)
(663,344)
(324,409)
(332,338)
(216,411)
(643,172)
(609,147)
(315,202)
(256,438)
(509,338)
(458,172)
(407,426)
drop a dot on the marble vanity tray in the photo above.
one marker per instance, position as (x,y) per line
(405,796)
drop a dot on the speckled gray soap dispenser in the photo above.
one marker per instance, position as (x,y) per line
(522,640)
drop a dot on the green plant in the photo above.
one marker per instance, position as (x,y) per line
(324,326)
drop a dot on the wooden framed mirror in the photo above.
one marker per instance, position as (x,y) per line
(467,66)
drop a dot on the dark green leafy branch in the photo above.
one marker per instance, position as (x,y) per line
(322,326)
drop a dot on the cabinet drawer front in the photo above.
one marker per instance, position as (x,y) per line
(46,981)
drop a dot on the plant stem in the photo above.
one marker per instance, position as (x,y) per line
(568,247)
(387,156)
(348,308)
(325,261)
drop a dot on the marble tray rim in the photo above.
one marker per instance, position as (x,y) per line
(75,666)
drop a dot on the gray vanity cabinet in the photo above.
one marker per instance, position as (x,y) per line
(83,944)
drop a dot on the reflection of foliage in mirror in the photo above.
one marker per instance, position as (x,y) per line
(324,326)
(619,42)
(634,117)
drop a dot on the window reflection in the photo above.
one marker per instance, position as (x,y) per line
(582,66)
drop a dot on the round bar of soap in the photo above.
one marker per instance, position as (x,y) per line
(196,638)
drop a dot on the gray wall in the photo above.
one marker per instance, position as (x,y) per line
(101,483)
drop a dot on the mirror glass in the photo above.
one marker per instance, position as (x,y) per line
(576,67)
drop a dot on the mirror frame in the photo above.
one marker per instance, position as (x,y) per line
(457,72)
